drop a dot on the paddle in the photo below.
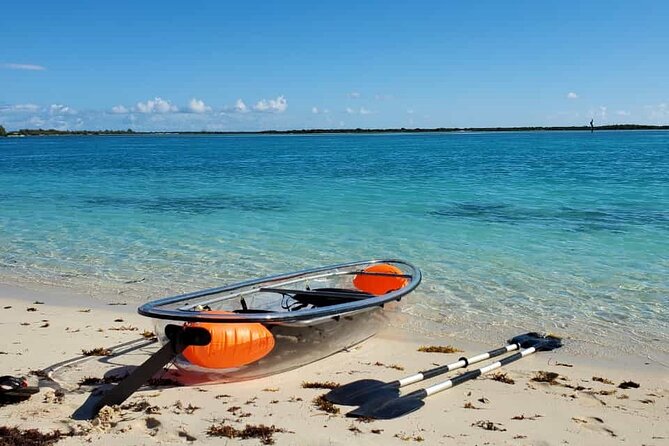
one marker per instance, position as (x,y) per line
(386,409)
(358,392)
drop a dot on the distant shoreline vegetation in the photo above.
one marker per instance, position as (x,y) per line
(54,132)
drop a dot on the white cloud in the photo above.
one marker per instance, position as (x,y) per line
(19,108)
(353,95)
(240,106)
(623,113)
(119,110)
(319,111)
(361,111)
(278,105)
(156,105)
(198,106)
(383,97)
(24,66)
(60,109)
(572,95)
(410,111)
(315,110)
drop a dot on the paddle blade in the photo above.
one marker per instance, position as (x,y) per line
(389,409)
(538,341)
(360,392)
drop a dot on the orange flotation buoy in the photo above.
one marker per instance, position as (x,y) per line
(379,285)
(232,344)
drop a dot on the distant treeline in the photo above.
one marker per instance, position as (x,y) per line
(466,129)
(53,132)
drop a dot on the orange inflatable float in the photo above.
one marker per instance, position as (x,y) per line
(379,285)
(232,344)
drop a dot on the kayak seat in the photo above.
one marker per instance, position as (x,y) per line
(324,297)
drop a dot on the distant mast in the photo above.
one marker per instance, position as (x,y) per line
(592,127)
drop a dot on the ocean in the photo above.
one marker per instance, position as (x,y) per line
(566,232)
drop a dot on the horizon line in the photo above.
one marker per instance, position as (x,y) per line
(130,131)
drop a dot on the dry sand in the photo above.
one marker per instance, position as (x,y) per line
(574,410)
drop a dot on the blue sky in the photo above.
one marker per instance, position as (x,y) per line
(249,65)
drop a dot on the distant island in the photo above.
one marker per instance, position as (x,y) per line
(54,132)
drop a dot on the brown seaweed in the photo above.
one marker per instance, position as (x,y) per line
(320,385)
(502,377)
(323,404)
(262,432)
(489,425)
(98,351)
(13,436)
(602,380)
(439,349)
(546,377)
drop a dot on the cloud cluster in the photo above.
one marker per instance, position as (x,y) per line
(572,95)
(156,105)
(278,105)
(56,116)
(60,109)
(159,105)
(157,114)
(198,106)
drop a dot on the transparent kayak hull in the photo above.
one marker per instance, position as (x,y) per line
(309,315)
(259,327)
(294,347)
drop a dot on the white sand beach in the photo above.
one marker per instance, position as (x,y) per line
(40,329)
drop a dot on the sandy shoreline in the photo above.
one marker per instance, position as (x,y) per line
(574,410)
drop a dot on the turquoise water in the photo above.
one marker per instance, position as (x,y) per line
(563,231)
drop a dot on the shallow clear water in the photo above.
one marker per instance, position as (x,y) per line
(563,231)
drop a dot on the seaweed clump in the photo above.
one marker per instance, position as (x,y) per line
(98,351)
(141,406)
(319,385)
(502,377)
(163,382)
(323,404)
(13,436)
(262,432)
(95,381)
(546,377)
(489,425)
(438,349)
(602,380)
(146,334)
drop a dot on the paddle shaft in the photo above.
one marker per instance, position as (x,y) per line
(468,376)
(179,339)
(140,375)
(462,362)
